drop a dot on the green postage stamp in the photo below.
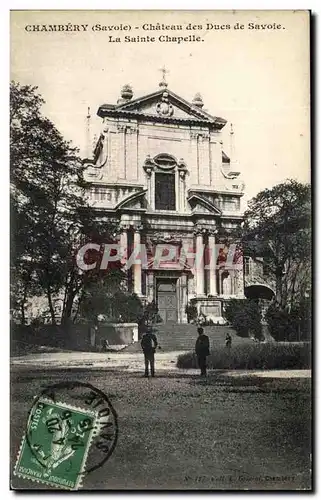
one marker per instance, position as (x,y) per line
(55,446)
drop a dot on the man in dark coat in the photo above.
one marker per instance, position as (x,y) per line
(202,349)
(149,344)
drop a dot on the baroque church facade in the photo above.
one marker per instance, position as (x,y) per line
(161,170)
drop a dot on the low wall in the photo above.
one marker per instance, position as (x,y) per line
(80,337)
(114,333)
(211,308)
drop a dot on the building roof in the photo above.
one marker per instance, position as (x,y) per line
(144,108)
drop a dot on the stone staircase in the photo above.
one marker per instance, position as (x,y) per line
(182,337)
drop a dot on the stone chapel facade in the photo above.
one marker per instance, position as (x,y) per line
(159,167)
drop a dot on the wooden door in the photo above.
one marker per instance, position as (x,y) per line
(167,300)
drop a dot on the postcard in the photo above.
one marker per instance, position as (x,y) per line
(160,250)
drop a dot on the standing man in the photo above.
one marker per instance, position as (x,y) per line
(149,344)
(202,349)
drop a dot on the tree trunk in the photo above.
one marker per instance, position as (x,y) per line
(23,316)
(294,282)
(66,313)
(278,289)
(22,306)
(51,308)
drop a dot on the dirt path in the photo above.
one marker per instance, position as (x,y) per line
(178,431)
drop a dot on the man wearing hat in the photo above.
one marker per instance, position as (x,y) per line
(202,349)
(149,344)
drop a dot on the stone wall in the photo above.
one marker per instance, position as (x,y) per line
(79,337)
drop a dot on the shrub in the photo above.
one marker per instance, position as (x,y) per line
(127,307)
(150,313)
(148,317)
(121,307)
(293,325)
(254,356)
(191,311)
(244,315)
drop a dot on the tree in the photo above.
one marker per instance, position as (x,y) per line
(277,228)
(244,315)
(108,297)
(50,215)
(290,325)
(191,311)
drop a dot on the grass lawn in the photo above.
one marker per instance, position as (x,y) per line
(180,432)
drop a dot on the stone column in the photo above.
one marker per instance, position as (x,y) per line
(231,280)
(149,187)
(123,243)
(199,264)
(212,271)
(184,298)
(149,167)
(150,287)
(182,171)
(121,128)
(123,246)
(137,268)
(181,189)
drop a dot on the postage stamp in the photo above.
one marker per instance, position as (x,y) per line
(55,446)
(71,431)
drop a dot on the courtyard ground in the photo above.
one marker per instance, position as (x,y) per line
(234,430)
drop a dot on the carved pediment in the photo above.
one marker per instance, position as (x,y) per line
(163,109)
(136,200)
(164,104)
(199,204)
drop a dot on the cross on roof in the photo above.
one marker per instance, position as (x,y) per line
(164,71)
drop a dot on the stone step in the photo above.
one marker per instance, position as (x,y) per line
(182,337)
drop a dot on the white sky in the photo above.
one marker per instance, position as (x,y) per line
(258,80)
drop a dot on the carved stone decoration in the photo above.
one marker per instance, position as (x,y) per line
(92,172)
(164,107)
(124,226)
(101,151)
(137,227)
(199,229)
(197,134)
(131,129)
(173,239)
(182,168)
(149,165)
(165,161)
(128,129)
(230,175)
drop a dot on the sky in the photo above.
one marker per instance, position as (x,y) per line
(256,79)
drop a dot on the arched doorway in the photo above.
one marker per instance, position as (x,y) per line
(263,294)
(226,283)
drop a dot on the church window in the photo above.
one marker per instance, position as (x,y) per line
(165,191)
